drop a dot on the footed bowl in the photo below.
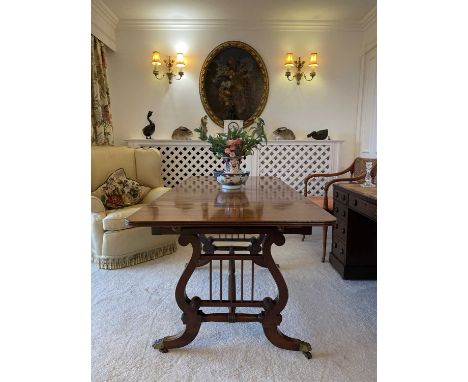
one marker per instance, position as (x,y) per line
(231,181)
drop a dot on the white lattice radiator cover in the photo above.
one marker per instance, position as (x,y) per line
(290,161)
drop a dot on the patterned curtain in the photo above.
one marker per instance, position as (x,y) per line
(101,118)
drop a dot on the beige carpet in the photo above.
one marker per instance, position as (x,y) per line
(132,307)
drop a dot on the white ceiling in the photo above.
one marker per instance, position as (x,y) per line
(292,10)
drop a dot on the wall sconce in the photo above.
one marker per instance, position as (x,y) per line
(179,62)
(290,62)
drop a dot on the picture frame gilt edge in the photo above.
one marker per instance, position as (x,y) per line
(263,70)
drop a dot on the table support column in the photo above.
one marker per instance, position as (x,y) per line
(270,317)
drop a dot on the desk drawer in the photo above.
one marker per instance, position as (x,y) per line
(340,230)
(340,196)
(339,249)
(340,210)
(363,207)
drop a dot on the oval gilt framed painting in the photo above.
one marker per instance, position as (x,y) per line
(234,83)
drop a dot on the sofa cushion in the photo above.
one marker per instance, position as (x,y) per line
(148,167)
(119,191)
(115,220)
(106,159)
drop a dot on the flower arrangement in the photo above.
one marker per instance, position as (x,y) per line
(238,142)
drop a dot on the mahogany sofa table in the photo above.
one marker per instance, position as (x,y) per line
(232,226)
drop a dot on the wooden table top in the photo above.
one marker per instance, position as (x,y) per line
(199,201)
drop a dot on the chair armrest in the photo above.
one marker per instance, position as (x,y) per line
(324,175)
(96,205)
(306,179)
(328,184)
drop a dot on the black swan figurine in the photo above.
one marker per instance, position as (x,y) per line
(148,130)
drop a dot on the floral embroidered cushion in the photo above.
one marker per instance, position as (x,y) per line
(119,191)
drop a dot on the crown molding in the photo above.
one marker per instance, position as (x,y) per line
(105,12)
(369,19)
(214,24)
(104,23)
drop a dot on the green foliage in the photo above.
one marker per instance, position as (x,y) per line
(201,133)
(249,140)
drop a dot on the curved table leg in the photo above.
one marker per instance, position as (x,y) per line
(271,317)
(191,317)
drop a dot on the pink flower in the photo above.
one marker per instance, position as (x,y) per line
(238,141)
(227,151)
(229,142)
(232,148)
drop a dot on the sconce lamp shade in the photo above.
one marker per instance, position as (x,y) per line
(299,65)
(289,60)
(169,64)
(156,60)
(313,60)
(180,63)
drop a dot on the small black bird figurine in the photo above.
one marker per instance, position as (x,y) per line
(148,130)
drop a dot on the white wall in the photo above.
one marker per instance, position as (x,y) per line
(369,36)
(330,101)
(366,132)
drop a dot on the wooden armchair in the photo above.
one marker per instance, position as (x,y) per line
(357,173)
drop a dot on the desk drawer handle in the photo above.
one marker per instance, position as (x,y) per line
(355,202)
(341,251)
(336,194)
(343,197)
(343,213)
(343,230)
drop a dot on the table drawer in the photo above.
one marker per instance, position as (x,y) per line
(340,210)
(340,230)
(340,196)
(339,249)
(363,207)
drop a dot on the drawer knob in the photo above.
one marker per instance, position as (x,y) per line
(343,213)
(341,251)
(343,197)
(355,202)
(336,194)
(343,230)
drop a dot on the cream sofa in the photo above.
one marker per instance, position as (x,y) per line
(113,244)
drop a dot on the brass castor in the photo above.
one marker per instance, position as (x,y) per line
(305,348)
(159,345)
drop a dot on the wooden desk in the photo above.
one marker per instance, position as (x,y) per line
(354,243)
(229,226)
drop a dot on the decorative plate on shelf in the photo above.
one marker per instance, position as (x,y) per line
(233,124)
